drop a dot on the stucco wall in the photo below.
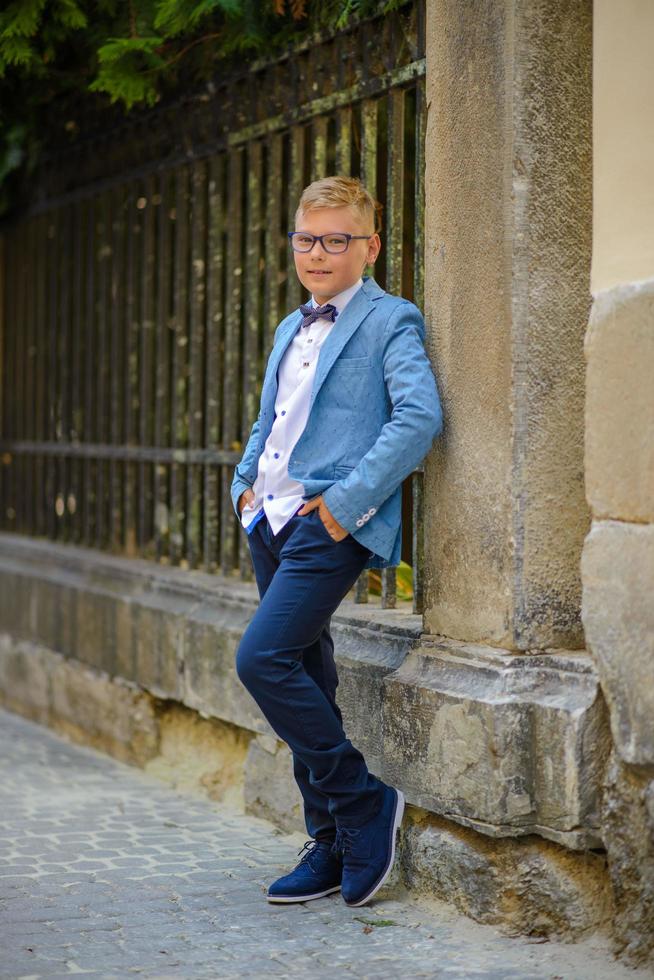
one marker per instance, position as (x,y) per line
(623,137)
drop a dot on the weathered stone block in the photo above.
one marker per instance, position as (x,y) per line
(25,679)
(509,745)
(211,685)
(200,755)
(530,886)
(619,445)
(159,628)
(81,702)
(628,830)
(618,617)
(365,658)
(270,788)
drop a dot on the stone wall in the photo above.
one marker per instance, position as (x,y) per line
(618,589)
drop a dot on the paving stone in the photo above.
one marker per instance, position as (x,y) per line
(133,868)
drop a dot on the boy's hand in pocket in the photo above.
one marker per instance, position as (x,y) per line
(246,497)
(334,529)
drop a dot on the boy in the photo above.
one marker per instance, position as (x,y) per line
(349,407)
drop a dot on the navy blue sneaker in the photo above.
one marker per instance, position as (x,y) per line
(369,850)
(317,874)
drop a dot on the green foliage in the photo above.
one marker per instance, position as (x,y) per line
(181,16)
(58,53)
(127,67)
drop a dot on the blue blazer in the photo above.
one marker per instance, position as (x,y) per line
(373,415)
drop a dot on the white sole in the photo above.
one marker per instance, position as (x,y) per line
(301,898)
(397,820)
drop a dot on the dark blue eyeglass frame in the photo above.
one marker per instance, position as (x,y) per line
(319,238)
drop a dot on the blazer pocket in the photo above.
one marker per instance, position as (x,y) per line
(350,375)
(342,471)
(352,362)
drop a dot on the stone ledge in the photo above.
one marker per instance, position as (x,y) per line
(512,744)
(489,739)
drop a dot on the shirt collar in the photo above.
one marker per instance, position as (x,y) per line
(341,300)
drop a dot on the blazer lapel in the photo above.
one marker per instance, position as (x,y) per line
(270,382)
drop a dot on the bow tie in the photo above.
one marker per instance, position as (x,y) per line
(311,313)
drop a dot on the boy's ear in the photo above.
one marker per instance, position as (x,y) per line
(374,248)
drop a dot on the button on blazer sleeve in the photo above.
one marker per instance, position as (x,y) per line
(416,419)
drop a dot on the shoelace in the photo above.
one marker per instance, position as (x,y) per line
(345,838)
(311,846)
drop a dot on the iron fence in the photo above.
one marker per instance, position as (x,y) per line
(142,288)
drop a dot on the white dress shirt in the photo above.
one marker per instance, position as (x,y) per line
(275,493)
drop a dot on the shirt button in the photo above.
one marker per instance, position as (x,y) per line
(284,412)
(276,455)
(305,364)
(310,340)
(270,496)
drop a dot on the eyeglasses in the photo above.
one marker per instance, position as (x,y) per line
(302,241)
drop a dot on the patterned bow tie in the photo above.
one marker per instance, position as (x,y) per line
(311,313)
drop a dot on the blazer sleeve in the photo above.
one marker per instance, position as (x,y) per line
(239,483)
(416,419)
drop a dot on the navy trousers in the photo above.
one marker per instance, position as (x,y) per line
(286,661)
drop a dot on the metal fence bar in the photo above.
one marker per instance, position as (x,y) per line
(251,363)
(319,147)
(162,354)
(130,334)
(214,320)
(39,392)
(88,436)
(196,344)
(344,141)
(77,363)
(368,175)
(65,365)
(295,186)
(394,238)
(417,539)
(179,387)
(275,244)
(51,374)
(126,453)
(20,379)
(231,366)
(115,327)
(102,365)
(144,364)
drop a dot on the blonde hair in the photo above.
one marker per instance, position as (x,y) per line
(338,192)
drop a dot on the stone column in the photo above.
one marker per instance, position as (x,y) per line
(510,745)
(508,239)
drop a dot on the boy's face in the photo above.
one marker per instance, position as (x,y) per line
(326,274)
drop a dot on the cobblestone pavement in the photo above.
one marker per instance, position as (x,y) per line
(107,872)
